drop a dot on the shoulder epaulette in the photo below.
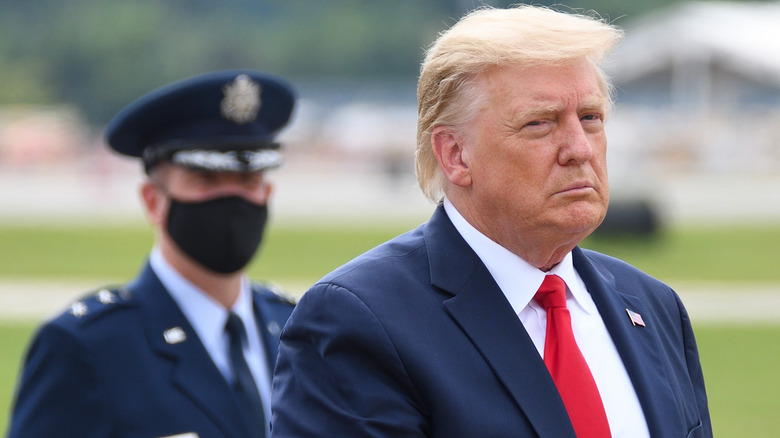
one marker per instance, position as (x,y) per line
(99,302)
(278,291)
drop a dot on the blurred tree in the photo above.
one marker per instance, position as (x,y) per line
(99,55)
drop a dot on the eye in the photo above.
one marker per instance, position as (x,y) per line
(592,122)
(204,177)
(537,128)
(252,180)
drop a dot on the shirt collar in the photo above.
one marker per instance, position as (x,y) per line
(206,315)
(517,279)
(243,305)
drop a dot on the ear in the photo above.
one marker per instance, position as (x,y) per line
(453,159)
(155,205)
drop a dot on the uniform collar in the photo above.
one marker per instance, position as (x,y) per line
(205,314)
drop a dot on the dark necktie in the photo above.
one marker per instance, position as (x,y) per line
(567,366)
(243,383)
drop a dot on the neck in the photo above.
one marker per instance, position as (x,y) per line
(541,248)
(538,252)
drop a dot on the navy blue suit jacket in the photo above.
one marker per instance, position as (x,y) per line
(415,339)
(105,369)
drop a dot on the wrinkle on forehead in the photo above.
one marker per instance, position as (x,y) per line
(499,88)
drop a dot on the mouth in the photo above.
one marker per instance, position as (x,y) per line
(577,188)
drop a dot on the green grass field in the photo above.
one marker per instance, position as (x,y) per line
(740,361)
(303,254)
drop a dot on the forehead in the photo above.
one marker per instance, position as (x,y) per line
(577,82)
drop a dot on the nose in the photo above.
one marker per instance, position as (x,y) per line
(576,145)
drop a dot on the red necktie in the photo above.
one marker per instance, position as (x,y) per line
(568,368)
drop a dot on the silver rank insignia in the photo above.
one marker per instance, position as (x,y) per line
(174,335)
(242,100)
(273,328)
(78,309)
(125,294)
(105,296)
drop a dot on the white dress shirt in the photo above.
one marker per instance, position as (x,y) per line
(519,282)
(208,319)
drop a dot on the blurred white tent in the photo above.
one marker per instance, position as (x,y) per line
(699,87)
(720,52)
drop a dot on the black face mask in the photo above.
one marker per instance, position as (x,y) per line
(221,234)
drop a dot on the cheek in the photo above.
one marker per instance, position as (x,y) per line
(258,195)
(599,164)
(159,213)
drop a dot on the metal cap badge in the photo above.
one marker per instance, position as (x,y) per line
(242,100)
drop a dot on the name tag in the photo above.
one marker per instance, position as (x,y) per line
(182,435)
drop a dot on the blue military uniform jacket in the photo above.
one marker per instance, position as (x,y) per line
(127,363)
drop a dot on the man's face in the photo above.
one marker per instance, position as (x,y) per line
(536,153)
(187,185)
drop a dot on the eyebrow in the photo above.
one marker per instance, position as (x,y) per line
(535,111)
(595,102)
(589,104)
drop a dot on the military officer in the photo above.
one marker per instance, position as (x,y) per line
(187,348)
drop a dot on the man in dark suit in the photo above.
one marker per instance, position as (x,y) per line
(187,348)
(489,320)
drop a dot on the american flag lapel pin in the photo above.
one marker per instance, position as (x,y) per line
(636,319)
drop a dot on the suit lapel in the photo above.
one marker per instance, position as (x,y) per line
(639,347)
(194,373)
(483,313)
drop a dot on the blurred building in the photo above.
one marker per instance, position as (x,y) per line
(699,87)
(31,136)
(695,135)
(696,129)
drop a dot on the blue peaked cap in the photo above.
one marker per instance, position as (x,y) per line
(221,121)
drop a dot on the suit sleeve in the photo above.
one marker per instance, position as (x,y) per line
(58,394)
(338,373)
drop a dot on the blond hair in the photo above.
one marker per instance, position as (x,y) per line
(485,38)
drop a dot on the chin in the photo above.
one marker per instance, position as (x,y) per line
(583,221)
